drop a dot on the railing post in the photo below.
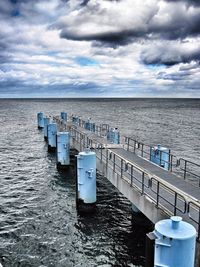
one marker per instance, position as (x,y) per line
(134,146)
(175,203)
(142,183)
(157,193)
(171,162)
(160,157)
(107,158)
(114,162)
(128,143)
(131,175)
(198,236)
(142,151)
(185,169)
(121,168)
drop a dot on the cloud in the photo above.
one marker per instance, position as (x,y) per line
(171,53)
(119,23)
(108,21)
(187,2)
(99,47)
(175,21)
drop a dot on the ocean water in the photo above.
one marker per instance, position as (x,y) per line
(39,225)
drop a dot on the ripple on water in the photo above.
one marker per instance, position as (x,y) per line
(39,225)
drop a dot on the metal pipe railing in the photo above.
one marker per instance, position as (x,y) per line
(160,192)
(182,167)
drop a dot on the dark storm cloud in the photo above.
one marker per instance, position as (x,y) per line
(104,21)
(182,23)
(169,55)
(118,38)
(188,2)
(94,22)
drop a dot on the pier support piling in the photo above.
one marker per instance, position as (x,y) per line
(46,122)
(86,181)
(63,150)
(52,131)
(40,119)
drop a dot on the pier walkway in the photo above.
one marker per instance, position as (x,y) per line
(157,193)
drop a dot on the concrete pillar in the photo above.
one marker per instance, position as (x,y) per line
(86,181)
(63,149)
(40,119)
(46,122)
(52,131)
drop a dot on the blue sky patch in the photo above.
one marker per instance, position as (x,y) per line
(84,61)
(155,66)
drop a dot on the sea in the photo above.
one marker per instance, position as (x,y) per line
(39,223)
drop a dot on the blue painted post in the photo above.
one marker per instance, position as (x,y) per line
(86,181)
(175,243)
(40,119)
(88,124)
(63,149)
(63,116)
(160,156)
(92,127)
(113,136)
(52,131)
(75,119)
(46,122)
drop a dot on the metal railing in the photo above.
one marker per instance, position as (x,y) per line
(100,130)
(186,169)
(182,167)
(167,197)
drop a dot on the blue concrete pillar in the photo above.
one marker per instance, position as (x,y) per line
(63,116)
(40,119)
(113,136)
(86,180)
(52,131)
(63,149)
(46,122)
(88,124)
(175,243)
(75,119)
(160,156)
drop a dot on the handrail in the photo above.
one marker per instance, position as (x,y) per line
(180,166)
(147,184)
(159,191)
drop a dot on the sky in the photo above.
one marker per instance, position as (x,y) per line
(100,48)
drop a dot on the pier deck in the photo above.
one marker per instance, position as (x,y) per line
(155,170)
(157,193)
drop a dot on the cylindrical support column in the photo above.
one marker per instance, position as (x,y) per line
(52,131)
(63,116)
(86,181)
(89,125)
(63,149)
(46,122)
(40,119)
(113,136)
(175,243)
(160,156)
(75,120)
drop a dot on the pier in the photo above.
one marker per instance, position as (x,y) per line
(156,192)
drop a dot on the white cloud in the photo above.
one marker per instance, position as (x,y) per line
(32,52)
